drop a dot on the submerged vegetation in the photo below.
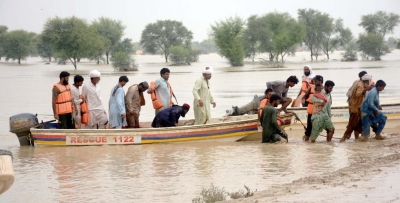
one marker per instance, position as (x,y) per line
(215,194)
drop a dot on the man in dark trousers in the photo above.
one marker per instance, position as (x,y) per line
(169,117)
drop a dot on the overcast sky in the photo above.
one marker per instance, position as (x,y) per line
(195,15)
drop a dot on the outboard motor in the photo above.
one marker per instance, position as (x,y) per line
(6,170)
(249,108)
(20,124)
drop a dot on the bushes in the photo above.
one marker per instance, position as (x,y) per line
(180,55)
(121,61)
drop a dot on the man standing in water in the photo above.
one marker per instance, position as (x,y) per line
(371,113)
(91,94)
(116,109)
(306,80)
(162,90)
(317,81)
(355,102)
(281,88)
(134,101)
(62,102)
(78,81)
(272,132)
(203,97)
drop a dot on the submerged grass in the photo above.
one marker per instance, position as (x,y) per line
(214,194)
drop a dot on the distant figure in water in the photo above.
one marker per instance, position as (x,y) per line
(272,132)
(170,117)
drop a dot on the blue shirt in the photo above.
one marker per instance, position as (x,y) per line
(371,102)
(163,92)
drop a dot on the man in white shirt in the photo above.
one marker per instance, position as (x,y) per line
(77,98)
(91,94)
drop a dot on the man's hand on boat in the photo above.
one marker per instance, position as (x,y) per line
(214,104)
(283,132)
(56,116)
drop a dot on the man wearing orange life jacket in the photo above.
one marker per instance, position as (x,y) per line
(77,97)
(317,81)
(264,102)
(161,90)
(62,102)
(306,80)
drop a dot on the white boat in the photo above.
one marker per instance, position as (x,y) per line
(6,171)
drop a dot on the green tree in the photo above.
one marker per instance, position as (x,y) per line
(121,56)
(71,38)
(372,46)
(181,55)
(17,45)
(392,42)
(44,48)
(350,53)
(3,30)
(228,38)
(98,47)
(333,34)
(315,24)
(160,36)
(376,26)
(111,30)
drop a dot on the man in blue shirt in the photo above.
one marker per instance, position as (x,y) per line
(371,112)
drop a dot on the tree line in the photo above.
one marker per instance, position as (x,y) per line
(276,34)
(279,34)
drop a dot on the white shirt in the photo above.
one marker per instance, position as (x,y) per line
(91,93)
(75,94)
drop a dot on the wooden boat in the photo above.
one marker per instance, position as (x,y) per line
(226,128)
(6,171)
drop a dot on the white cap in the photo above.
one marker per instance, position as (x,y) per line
(207,70)
(94,74)
(366,77)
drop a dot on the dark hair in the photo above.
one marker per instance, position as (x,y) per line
(164,70)
(380,83)
(293,79)
(274,97)
(319,78)
(329,83)
(64,74)
(362,73)
(268,91)
(123,78)
(78,78)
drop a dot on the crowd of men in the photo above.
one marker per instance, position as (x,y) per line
(363,100)
(75,109)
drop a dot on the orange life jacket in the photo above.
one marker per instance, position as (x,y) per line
(156,102)
(263,103)
(64,99)
(85,113)
(305,85)
(310,102)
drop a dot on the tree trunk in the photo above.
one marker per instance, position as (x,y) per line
(166,58)
(49,58)
(98,60)
(316,57)
(282,58)
(327,55)
(107,57)
(311,54)
(19,61)
(79,60)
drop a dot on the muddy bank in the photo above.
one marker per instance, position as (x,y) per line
(372,179)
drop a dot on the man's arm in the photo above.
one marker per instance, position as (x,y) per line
(371,98)
(273,121)
(54,98)
(120,100)
(196,88)
(128,99)
(314,99)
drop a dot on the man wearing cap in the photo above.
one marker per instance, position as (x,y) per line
(134,100)
(202,97)
(355,102)
(91,94)
(170,117)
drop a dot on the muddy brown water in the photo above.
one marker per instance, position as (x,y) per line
(174,172)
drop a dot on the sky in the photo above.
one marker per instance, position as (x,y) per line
(196,15)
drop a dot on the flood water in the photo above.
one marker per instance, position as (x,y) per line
(174,172)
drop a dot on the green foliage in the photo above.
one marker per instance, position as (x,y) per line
(71,38)
(372,46)
(17,44)
(111,31)
(181,55)
(122,61)
(334,34)
(125,45)
(205,47)
(211,195)
(392,42)
(160,36)
(228,38)
(350,53)
(44,48)
(377,25)
(98,47)
(3,30)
